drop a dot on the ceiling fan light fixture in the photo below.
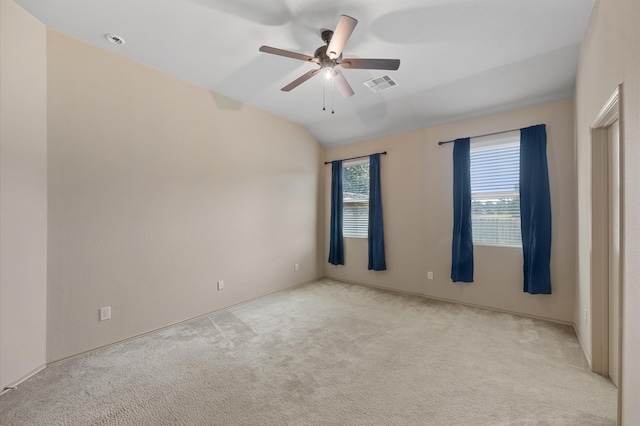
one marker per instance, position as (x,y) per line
(328,72)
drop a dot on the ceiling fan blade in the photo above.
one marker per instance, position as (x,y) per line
(371,64)
(342,84)
(287,53)
(343,31)
(298,81)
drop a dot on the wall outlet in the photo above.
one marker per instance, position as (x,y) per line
(586,316)
(105,313)
(296,267)
(220,285)
(429,275)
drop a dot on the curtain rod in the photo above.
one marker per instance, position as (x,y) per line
(355,158)
(480,136)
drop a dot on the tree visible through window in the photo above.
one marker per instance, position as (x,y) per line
(495,191)
(355,189)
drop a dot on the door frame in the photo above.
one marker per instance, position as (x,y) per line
(609,113)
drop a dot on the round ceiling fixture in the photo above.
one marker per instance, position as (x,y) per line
(115,39)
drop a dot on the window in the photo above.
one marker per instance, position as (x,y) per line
(355,190)
(495,190)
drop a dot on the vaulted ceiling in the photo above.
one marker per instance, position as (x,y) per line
(459,58)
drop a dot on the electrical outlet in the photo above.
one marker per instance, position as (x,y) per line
(105,313)
(586,316)
(429,275)
(220,285)
(296,267)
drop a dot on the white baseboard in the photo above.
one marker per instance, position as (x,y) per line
(584,349)
(15,384)
(442,299)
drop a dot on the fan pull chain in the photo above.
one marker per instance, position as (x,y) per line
(332,111)
(324,91)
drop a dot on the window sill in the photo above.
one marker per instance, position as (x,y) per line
(354,237)
(497,246)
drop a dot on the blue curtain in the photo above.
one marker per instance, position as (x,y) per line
(336,244)
(535,209)
(376,229)
(462,246)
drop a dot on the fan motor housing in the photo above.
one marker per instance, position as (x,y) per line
(324,59)
(326,36)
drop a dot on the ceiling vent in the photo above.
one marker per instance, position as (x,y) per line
(115,39)
(381,83)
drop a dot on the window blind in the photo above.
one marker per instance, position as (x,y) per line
(355,218)
(495,192)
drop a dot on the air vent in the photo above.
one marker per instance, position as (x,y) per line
(381,83)
(115,39)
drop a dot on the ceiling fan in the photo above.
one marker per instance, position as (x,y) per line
(328,57)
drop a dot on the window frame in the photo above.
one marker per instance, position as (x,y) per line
(506,139)
(346,164)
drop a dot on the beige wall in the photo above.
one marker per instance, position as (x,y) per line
(417,202)
(159,188)
(610,55)
(23,193)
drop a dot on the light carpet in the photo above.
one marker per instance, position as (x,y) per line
(328,353)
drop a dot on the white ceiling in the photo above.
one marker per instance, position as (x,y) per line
(459,58)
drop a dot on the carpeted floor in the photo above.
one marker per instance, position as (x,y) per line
(328,353)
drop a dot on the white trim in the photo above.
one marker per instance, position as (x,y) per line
(349,163)
(609,112)
(599,304)
(455,302)
(502,139)
(16,383)
(582,345)
(519,248)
